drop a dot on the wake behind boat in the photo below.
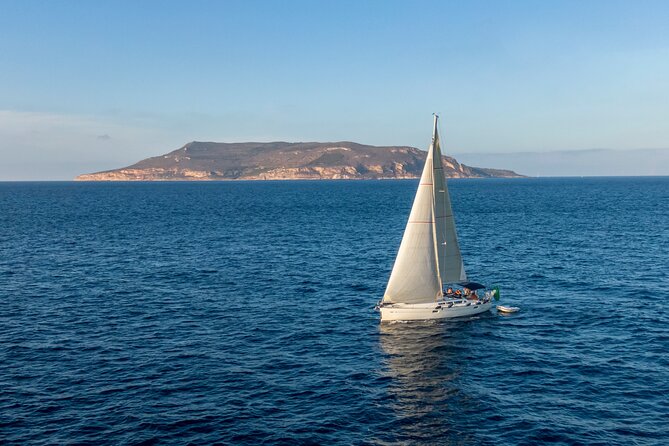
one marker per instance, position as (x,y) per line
(429,256)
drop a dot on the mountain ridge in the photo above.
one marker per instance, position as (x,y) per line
(279,160)
(578,162)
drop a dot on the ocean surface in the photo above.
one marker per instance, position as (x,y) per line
(242,313)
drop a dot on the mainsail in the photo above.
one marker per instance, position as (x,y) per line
(429,253)
(451,268)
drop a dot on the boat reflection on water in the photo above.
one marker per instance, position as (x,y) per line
(426,364)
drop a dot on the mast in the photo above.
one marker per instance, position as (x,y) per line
(437,191)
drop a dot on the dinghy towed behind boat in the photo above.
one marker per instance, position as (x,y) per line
(429,255)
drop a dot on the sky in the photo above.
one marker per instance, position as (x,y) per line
(90,86)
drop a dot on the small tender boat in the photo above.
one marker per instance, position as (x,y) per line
(505,309)
(429,256)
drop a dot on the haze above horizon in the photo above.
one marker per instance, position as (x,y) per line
(92,86)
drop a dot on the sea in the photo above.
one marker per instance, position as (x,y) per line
(242,313)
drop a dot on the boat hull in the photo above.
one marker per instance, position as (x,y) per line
(436,310)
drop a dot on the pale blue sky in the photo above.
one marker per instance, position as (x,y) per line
(90,86)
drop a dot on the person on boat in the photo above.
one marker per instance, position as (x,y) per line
(458,293)
(467,292)
(473,296)
(449,291)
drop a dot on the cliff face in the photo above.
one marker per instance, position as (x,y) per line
(283,160)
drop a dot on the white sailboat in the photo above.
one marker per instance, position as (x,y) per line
(429,255)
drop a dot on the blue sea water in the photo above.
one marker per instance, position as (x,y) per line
(242,313)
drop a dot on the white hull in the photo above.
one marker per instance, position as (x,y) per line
(436,310)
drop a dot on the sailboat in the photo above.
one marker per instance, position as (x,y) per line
(429,255)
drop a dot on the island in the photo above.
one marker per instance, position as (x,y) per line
(287,161)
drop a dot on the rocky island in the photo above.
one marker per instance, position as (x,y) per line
(287,161)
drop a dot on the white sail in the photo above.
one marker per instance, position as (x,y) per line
(451,267)
(429,251)
(415,277)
